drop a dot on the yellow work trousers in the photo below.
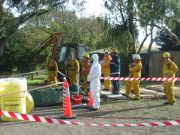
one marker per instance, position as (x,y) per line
(168,90)
(52,77)
(84,84)
(107,83)
(133,85)
(73,78)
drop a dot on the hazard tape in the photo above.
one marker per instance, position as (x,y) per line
(41,119)
(140,79)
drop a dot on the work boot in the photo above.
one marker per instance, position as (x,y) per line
(172,103)
(93,109)
(125,95)
(136,98)
(115,92)
(166,103)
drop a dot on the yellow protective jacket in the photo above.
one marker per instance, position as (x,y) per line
(73,66)
(52,66)
(106,65)
(135,70)
(85,68)
(169,69)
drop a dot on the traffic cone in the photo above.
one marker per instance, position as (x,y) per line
(67,102)
(90,104)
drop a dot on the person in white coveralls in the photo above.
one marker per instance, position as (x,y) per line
(95,84)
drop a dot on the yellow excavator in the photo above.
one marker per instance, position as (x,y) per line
(53,41)
(60,52)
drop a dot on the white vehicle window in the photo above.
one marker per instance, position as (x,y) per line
(62,54)
(81,53)
(72,52)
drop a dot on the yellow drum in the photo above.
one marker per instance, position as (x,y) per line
(29,103)
(13,96)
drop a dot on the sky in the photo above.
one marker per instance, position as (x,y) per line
(94,7)
(91,8)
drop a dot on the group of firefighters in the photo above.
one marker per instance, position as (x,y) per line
(92,69)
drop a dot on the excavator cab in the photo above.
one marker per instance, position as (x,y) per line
(60,51)
(77,50)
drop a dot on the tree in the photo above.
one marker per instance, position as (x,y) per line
(149,14)
(123,15)
(167,41)
(159,14)
(86,31)
(25,10)
(17,55)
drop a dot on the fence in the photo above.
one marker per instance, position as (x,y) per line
(152,64)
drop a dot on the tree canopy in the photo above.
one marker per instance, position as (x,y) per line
(24,10)
(86,31)
(26,23)
(145,14)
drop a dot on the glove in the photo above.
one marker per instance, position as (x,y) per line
(83,69)
(133,64)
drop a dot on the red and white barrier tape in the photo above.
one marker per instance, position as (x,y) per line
(41,119)
(140,79)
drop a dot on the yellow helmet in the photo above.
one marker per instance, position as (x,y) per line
(86,55)
(166,55)
(114,50)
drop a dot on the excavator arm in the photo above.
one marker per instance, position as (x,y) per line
(53,40)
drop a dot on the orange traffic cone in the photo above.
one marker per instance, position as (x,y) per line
(90,104)
(66,102)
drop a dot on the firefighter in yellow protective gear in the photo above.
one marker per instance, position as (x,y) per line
(106,71)
(73,70)
(52,71)
(134,72)
(169,70)
(85,70)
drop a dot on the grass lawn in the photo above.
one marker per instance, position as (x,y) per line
(37,80)
(128,111)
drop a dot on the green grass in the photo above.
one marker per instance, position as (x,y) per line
(138,111)
(37,80)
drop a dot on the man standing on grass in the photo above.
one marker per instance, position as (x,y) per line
(134,72)
(115,70)
(169,71)
(52,71)
(106,71)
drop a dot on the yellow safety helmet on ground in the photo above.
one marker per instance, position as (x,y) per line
(114,50)
(86,55)
(166,55)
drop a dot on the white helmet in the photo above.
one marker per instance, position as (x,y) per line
(136,57)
